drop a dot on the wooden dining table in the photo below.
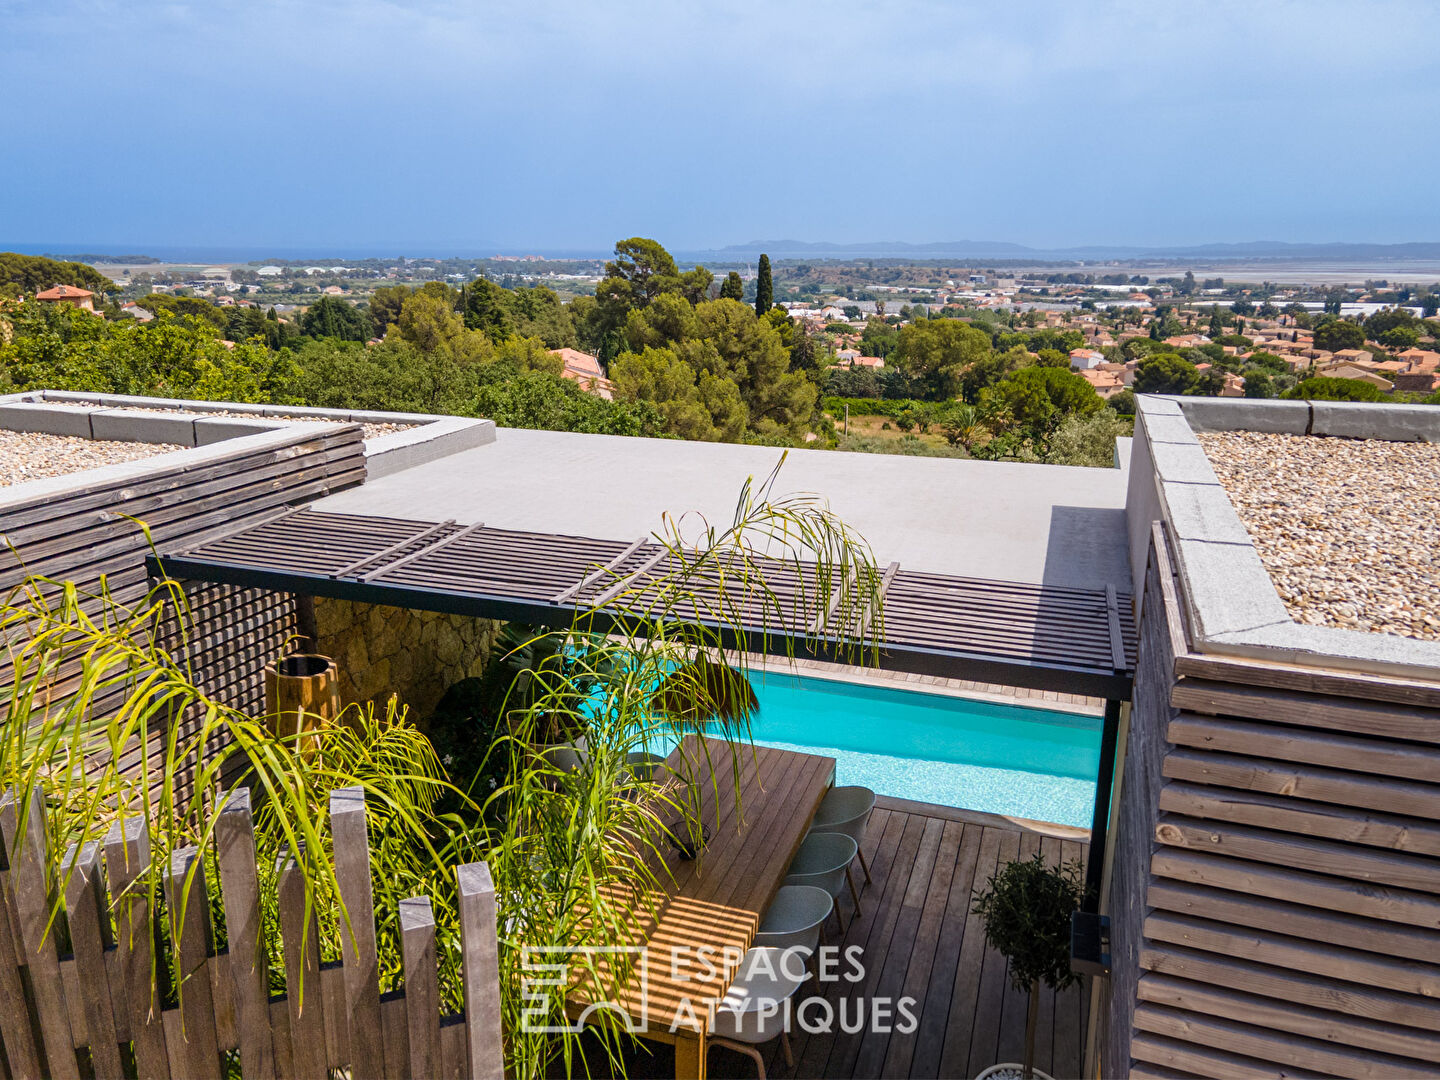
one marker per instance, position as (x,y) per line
(694,934)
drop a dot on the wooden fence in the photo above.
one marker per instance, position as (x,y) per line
(82,1013)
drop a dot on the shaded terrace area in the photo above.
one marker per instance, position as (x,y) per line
(920,939)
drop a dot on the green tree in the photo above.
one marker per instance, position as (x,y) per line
(429,322)
(764,287)
(28,274)
(1258,384)
(646,269)
(661,378)
(1339,334)
(539,400)
(1400,337)
(1088,440)
(332,317)
(1033,401)
(538,312)
(1325,388)
(732,288)
(385,305)
(1165,373)
(695,284)
(934,354)
(192,306)
(488,309)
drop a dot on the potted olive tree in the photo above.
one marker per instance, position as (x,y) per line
(1026,908)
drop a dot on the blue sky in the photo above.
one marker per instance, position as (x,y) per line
(410,127)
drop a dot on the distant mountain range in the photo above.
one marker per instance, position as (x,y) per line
(999,249)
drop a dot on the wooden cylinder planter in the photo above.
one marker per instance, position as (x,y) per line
(302,693)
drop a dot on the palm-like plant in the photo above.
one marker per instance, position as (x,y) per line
(573,854)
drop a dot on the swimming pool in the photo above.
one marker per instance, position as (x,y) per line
(935,748)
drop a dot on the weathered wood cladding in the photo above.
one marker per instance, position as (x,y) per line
(89,534)
(1276,899)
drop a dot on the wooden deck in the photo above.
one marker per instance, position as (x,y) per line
(921,940)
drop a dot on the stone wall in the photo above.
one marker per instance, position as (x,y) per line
(416,655)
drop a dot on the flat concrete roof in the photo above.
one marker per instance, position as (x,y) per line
(1046,524)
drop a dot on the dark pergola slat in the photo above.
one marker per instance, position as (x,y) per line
(1071,640)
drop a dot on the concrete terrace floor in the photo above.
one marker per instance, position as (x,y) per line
(1012,522)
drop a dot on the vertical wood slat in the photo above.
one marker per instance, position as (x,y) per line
(249,967)
(454,1057)
(83,905)
(30,896)
(222,993)
(127,854)
(480,971)
(422,987)
(397,1036)
(21,1052)
(351,839)
(280,1025)
(190,921)
(337,1033)
(300,935)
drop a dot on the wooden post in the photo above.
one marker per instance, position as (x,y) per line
(422,986)
(88,934)
(127,855)
(190,924)
(30,895)
(357,932)
(21,1052)
(480,969)
(249,967)
(301,937)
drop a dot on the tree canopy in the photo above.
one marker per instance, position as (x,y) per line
(25,275)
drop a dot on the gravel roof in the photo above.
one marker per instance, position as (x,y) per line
(28,455)
(367,431)
(1346,527)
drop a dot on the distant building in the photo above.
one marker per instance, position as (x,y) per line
(585,370)
(1084,359)
(1106,383)
(68,294)
(1349,371)
(1421,359)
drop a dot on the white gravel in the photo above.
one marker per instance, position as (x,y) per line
(28,456)
(1347,527)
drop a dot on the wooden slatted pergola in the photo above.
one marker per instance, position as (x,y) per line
(1045,637)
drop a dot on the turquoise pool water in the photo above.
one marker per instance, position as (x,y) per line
(1005,759)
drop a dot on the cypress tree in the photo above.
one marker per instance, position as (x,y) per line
(732,288)
(764,288)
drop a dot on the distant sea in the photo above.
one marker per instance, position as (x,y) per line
(170,253)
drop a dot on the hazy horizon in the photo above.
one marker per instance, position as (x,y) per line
(401,127)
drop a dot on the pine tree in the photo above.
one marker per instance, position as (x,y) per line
(732,288)
(764,288)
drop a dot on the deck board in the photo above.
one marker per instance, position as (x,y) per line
(921,939)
